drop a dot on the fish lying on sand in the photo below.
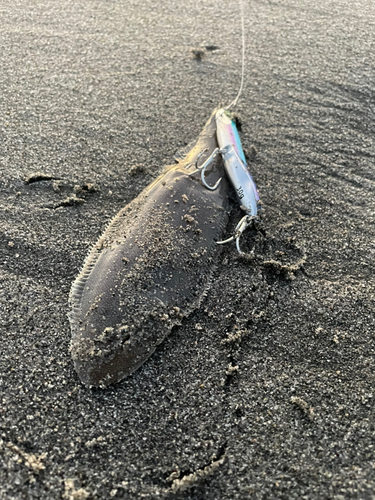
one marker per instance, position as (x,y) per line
(150,268)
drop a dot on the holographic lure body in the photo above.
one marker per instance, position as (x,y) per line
(230,149)
(237,172)
(235,162)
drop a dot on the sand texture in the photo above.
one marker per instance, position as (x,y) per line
(266,391)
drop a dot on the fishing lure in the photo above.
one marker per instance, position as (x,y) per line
(230,148)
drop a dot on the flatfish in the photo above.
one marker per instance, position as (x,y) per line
(151,268)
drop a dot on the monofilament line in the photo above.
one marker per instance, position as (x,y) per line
(233,103)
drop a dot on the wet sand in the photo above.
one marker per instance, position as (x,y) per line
(266,391)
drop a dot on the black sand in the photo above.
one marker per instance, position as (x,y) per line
(267,391)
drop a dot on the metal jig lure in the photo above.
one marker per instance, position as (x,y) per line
(230,149)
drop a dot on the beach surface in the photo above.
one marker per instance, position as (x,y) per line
(267,390)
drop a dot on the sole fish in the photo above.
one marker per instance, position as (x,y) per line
(149,270)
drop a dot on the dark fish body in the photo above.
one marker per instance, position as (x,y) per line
(148,270)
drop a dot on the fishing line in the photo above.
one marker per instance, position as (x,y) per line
(233,103)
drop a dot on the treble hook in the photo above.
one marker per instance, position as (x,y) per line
(244,223)
(204,166)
